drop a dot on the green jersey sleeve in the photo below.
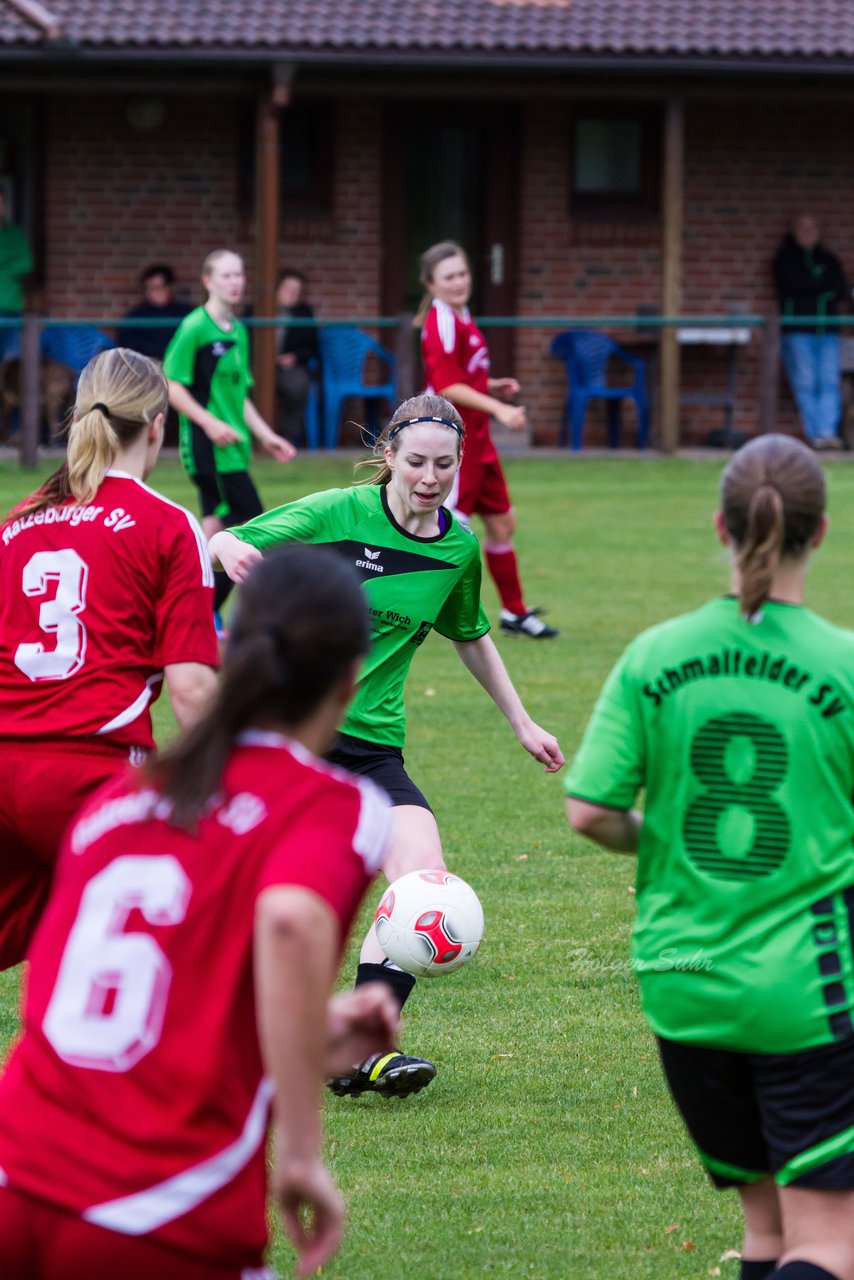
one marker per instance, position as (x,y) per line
(610,766)
(300,521)
(179,361)
(462,616)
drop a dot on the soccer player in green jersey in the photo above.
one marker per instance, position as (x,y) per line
(738,719)
(207,365)
(420,569)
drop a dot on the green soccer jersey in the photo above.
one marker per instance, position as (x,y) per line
(213,364)
(743,735)
(412,584)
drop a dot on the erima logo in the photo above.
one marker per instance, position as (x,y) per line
(371,561)
(218,348)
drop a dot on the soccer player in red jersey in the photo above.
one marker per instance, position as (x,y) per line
(456,366)
(106,589)
(179,980)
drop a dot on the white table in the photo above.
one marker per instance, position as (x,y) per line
(732,337)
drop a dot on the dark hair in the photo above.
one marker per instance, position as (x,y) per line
(119,395)
(291,273)
(158,269)
(429,405)
(301,622)
(772,501)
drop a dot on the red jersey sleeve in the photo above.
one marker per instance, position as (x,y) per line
(184,609)
(335,850)
(439,350)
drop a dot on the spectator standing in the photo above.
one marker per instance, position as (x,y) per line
(296,348)
(16,261)
(157,283)
(810,282)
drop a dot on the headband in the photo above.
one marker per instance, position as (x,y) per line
(102,407)
(410,422)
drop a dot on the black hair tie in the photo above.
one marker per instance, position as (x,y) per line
(102,407)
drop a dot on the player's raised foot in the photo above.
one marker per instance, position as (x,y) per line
(526,624)
(392,1075)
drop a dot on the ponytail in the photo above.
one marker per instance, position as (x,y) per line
(772,502)
(92,446)
(119,394)
(758,556)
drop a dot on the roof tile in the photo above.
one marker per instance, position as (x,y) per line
(569,28)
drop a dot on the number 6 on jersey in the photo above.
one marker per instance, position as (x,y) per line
(108,1004)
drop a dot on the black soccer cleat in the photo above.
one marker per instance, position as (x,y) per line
(526,624)
(391,1075)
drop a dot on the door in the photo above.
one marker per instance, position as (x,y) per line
(451,173)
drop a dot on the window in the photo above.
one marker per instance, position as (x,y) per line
(306,161)
(615,169)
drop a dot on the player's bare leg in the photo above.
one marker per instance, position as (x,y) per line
(415,844)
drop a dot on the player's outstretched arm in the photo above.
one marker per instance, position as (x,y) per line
(275,445)
(484,662)
(235,556)
(615,829)
(512,416)
(296,943)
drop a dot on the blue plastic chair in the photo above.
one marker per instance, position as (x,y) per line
(73,346)
(586,353)
(343,352)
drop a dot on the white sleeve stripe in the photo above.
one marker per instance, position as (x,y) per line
(135,709)
(145,1211)
(447,326)
(374,826)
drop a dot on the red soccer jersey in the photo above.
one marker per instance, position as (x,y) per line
(454,350)
(95,600)
(136,1097)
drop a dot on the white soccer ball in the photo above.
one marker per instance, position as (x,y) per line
(429,922)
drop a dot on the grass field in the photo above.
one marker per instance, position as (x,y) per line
(546,1146)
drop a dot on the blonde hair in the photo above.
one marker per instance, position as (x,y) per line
(428,263)
(215,256)
(119,395)
(425,406)
(772,502)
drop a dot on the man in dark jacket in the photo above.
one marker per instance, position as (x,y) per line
(157,283)
(297,347)
(811,283)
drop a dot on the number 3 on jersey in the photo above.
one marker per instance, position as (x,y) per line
(109,1000)
(58,616)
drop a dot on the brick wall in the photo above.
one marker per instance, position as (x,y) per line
(118,199)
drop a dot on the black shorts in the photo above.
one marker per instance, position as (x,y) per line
(382,764)
(229,494)
(790,1115)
